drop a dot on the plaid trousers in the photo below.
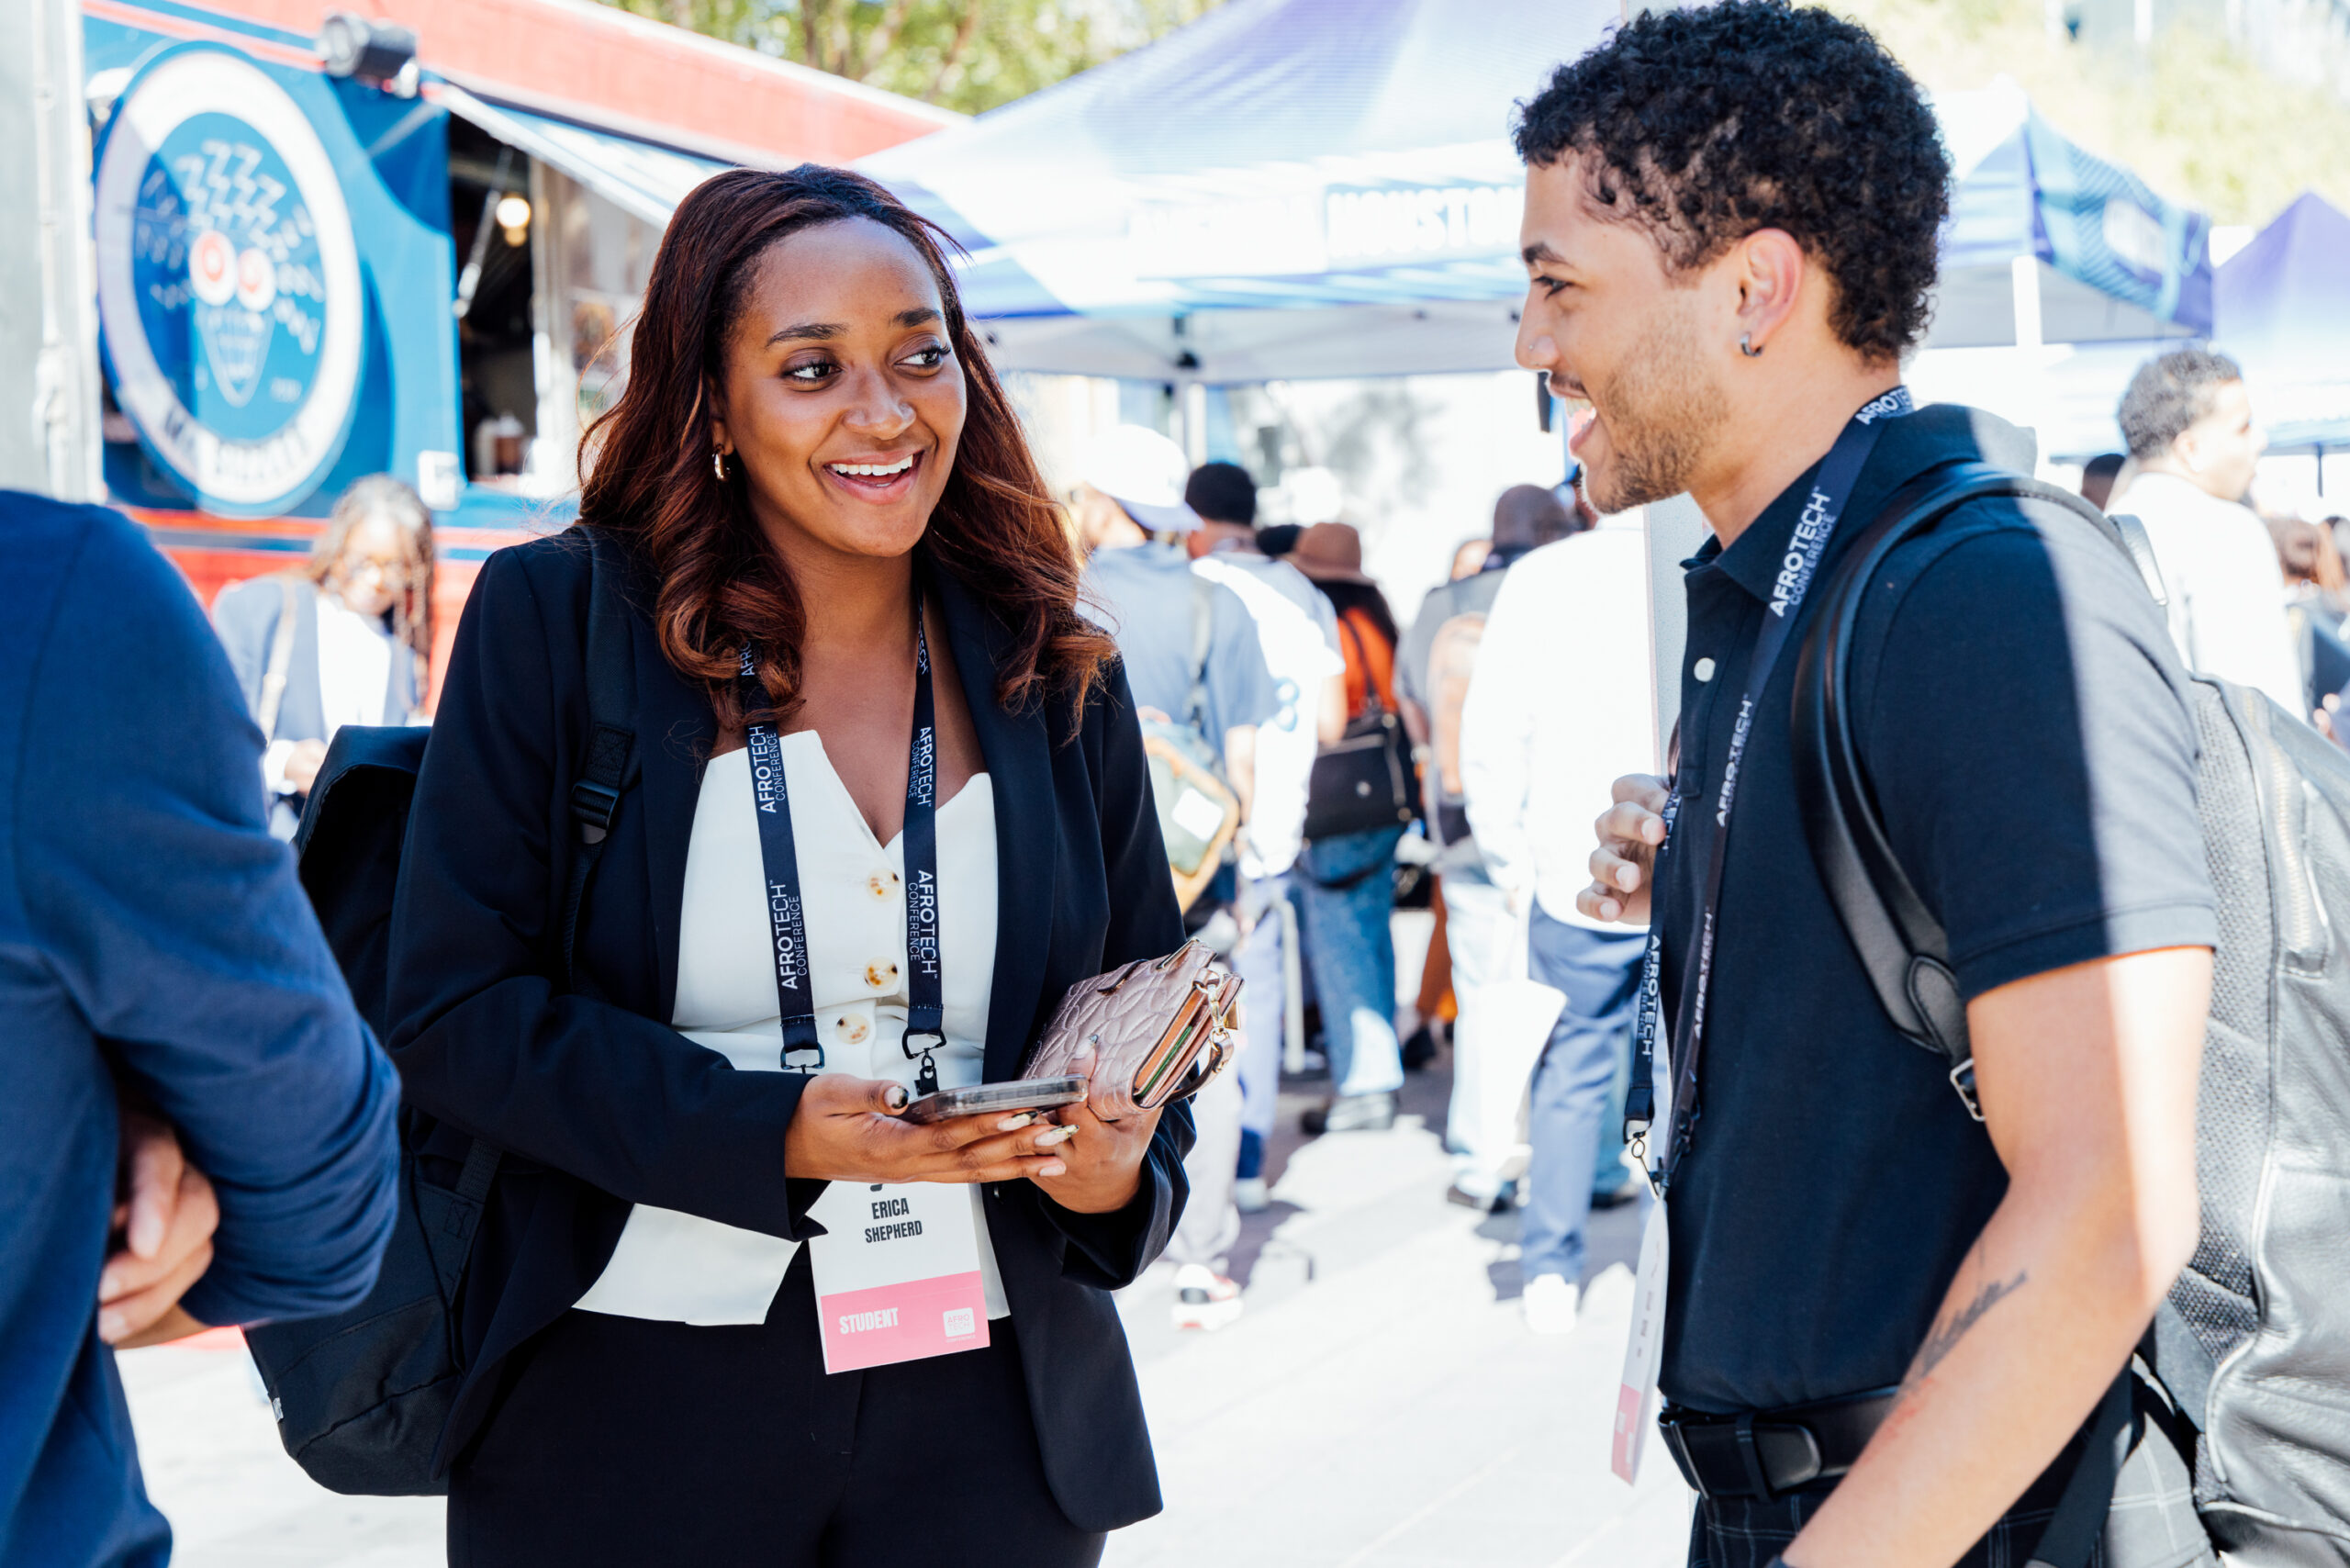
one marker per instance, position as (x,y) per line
(2150,1524)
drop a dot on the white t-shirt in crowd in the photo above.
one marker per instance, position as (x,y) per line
(1559,709)
(1298,631)
(2226,589)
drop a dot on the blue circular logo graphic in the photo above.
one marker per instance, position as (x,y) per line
(228,283)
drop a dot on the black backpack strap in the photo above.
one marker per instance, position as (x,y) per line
(609,768)
(1900,944)
(2078,1522)
(612,763)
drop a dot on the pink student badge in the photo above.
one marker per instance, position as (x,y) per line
(897,1274)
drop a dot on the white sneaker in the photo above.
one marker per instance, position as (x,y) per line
(1203,1298)
(1250,1195)
(1549,1304)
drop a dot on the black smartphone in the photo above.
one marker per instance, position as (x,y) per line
(1023,1095)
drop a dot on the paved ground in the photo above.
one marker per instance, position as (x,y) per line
(1379,1403)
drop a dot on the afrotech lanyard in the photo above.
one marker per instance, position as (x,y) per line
(1830,492)
(787,915)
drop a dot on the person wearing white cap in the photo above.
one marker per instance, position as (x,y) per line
(1139,585)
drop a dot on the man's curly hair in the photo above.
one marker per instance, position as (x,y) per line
(1706,125)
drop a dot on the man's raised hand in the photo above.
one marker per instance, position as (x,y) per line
(1621,867)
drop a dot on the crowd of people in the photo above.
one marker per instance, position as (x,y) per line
(767,818)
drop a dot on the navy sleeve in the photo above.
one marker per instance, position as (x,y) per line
(176,924)
(486,1036)
(1240,686)
(1112,1250)
(2028,737)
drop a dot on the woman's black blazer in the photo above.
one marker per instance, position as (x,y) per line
(601,1104)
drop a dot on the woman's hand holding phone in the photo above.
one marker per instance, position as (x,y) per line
(848,1130)
(1101,1166)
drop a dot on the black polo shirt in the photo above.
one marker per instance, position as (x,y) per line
(2022,718)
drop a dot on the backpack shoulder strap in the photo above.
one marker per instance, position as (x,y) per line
(1900,944)
(1195,703)
(2140,545)
(281,656)
(610,766)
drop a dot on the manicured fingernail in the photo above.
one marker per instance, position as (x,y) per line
(146,1237)
(1058,1135)
(111,1326)
(1052,1168)
(895,1098)
(109,1285)
(1013,1124)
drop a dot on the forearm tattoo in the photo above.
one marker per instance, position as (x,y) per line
(1943,1338)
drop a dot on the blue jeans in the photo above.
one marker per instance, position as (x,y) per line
(1574,1083)
(1352,953)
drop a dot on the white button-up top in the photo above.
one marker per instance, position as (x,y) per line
(679,1266)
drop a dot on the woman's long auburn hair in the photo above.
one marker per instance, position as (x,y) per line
(650,479)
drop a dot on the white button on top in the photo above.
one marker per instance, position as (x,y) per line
(1702,669)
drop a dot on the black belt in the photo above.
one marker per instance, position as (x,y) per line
(1765,1452)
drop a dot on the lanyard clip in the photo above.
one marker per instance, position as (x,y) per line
(811,1048)
(926,1079)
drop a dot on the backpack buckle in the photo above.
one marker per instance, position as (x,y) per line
(1962,1078)
(593,806)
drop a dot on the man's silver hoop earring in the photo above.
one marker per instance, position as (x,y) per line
(717,462)
(1746,346)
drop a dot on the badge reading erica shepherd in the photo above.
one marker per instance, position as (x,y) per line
(228,285)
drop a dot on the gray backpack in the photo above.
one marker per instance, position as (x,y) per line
(2254,1344)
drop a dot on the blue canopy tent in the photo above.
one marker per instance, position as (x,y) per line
(1292,189)
(2284,311)
(2113,262)
(1200,207)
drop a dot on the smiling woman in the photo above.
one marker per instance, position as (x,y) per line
(827,402)
(890,803)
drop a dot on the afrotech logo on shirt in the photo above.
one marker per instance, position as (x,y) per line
(229,284)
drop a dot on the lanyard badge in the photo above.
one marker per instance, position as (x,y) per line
(1670,1083)
(896,1269)
(803,1050)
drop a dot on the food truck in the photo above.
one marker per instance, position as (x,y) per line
(332,245)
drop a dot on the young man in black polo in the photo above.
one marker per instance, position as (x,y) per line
(1730,226)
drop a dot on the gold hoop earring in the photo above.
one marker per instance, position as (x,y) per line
(1746,346)
(717,462)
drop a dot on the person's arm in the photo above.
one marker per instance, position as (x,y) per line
(178,924)
(1241,767)
(1497,722)
(1110,1249)
(1412,668)
(2088,1079)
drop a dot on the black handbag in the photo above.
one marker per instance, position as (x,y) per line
(362,1396)
(1365,779)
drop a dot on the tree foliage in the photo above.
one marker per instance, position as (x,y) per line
(2194,116)
(963,54)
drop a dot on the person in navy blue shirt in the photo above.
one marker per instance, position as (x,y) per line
(155,950)
(1888,1312)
